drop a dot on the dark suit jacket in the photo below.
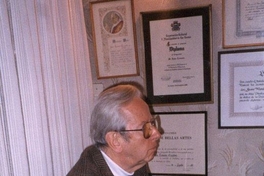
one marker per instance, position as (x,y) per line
(92,163)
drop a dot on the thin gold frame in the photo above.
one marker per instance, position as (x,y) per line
(114,38)
(241,27)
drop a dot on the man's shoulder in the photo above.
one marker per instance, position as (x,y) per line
(90,150)
(143,171)
(91,162)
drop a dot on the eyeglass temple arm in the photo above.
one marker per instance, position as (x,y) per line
(132,130)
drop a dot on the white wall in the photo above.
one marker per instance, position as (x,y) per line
(45,89)
(230,151)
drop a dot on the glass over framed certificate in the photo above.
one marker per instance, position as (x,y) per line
(114,39)
(241,89)
(243,23)
(178,55)
(183,144)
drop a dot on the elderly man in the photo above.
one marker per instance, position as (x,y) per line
(124,134)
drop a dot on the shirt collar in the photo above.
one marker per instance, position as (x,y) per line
(116,170)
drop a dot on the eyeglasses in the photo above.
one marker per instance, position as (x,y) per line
(147,128)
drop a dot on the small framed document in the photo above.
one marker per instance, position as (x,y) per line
(243,22)
(183,145)
(114,39)
(178,55)
(241,89)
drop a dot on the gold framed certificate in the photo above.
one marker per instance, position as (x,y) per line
(114,39)
(243,23)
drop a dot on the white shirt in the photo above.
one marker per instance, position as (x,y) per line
(116,170)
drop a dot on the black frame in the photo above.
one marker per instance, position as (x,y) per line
(207,95)
(184,113)
(240,122)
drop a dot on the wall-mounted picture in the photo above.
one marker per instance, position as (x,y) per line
(241,89)
(243,23)
(178,55)
(182,149)
(114,39)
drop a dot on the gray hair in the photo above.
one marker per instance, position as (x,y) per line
(107,114)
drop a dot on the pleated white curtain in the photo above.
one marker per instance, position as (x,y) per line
(45,86)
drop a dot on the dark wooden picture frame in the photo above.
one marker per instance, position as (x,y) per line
(178,58)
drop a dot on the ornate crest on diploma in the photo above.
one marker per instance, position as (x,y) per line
(175,26)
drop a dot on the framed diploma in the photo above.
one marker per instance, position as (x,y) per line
(243,23)
(114,40)
(183,144)
(241,89)
(178,55)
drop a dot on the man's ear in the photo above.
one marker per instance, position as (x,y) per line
(114,141)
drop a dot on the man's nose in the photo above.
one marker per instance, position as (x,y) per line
(155,133)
